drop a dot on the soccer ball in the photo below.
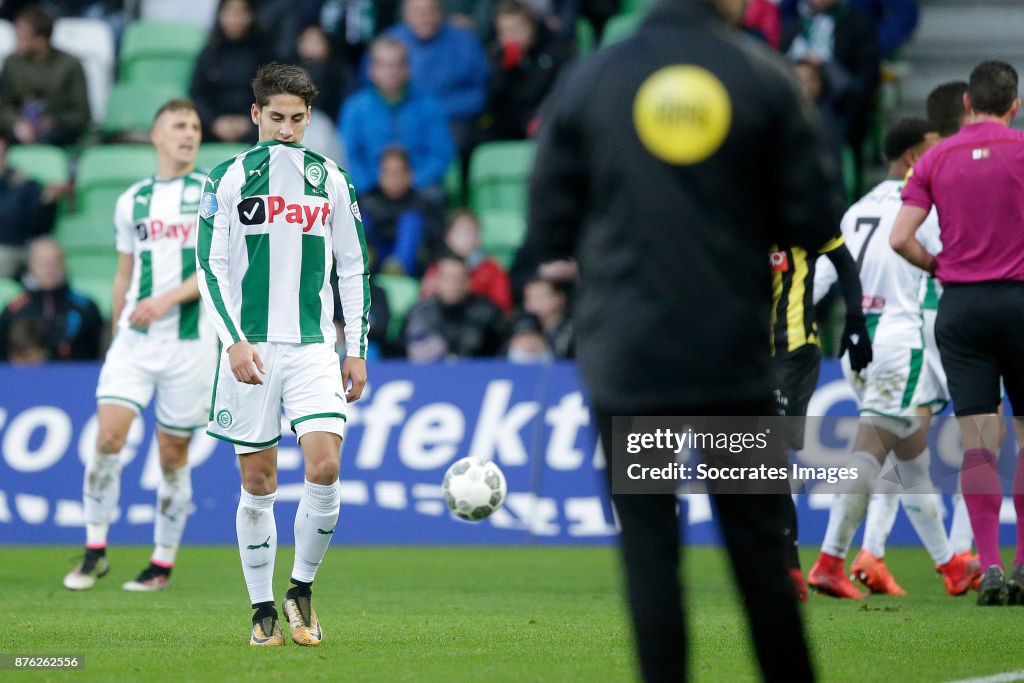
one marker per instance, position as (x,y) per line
(473,490)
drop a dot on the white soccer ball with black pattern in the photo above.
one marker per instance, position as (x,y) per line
(473,490)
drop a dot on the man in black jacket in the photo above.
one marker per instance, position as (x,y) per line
(73,322)
(668,164)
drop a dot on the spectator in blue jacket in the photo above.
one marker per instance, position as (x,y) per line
(447,62)
(390,111)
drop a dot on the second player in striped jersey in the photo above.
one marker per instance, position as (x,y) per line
(163,343)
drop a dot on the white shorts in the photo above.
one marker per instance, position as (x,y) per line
(304,378)
(179,371)
(933,391)
(888,386)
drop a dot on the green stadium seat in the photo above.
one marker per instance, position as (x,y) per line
(99,288)
(638,7)
(620,27)
(92,231)
(501,234)
(402,292)
(46,164)
(498,175)
(91,263)
(584,37)
(153,52)
(212,153)
(105,171)
(131,106)
(453,185)
(8,290)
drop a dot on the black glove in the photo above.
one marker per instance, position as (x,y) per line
(857,341)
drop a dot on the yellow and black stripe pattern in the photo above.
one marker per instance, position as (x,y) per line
(792,296)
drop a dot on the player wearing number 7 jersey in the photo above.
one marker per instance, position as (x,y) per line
(272,221)
(887,389)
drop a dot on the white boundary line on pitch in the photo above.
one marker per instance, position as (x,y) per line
(1005,677)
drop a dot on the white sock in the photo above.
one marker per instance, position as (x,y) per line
(850,504)
(173,498)
(924,507)
(101,490)
(881,516)
(961,537)
(257,543)
(315,521)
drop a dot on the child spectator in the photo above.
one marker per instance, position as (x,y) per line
(528,344)
(454,322)
(487,277)
(525,62)
(26,342)
(549,302)
(396,217)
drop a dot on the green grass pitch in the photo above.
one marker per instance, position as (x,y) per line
(470,614)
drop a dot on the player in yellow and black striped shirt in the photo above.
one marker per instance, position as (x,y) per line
(795,346)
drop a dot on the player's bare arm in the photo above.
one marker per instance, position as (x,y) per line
(155,307)
(246,364)
(353,377)
(122,280)
(904,240)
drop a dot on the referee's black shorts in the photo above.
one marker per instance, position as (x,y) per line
(796,376)
(980,333)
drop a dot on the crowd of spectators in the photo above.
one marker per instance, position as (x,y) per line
(408,88)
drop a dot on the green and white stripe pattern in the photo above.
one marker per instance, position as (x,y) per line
(272,221)
(155,221)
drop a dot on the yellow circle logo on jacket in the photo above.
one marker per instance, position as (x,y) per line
(682,114)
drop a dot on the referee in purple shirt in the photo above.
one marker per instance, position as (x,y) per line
(975,179)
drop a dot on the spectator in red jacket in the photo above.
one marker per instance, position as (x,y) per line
(487,277)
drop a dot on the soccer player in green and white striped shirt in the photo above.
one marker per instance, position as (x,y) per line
(272,221)
(163,343)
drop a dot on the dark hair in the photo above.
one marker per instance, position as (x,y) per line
(254,36)
(993,88)
(945,107)
(397,152)
(557,286)
(277,79)
(40,22)
(461,213)
(449,255)
(175,104)
(905,134)
(517,8)
(26,334)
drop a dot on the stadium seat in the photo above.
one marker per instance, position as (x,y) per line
(99,288)
(93,231)
(402,292)
(8,39)
(584,37)
(201,13)
(46,164)
(92,42)
(638,7)
(160,52)
(501,234)
(91,263)
(498,175)
(212,153)
(105,171)
(620,27)
(453,185)
(131,105)
(8,290)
